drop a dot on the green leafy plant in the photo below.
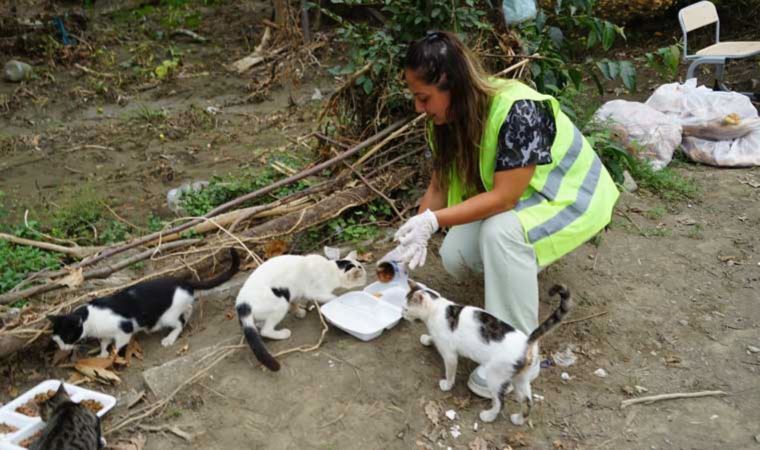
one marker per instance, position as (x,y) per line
(383,47)
(560,36)
(666,60)
(224,189)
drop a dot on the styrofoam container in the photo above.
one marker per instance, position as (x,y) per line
(365,314)
(33,424)
(19,421)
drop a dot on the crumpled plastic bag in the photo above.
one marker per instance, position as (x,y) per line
(657,134)
(719,128)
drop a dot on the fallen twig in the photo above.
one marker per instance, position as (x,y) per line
(76,252)
(89,71)
(191,34)
(347,84)
(584,318)
(657,398)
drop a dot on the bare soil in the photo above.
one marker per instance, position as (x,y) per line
(666,302)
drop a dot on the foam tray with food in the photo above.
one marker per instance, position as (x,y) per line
(22,415)
(365,314)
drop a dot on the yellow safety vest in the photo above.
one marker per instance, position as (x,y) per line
(567,201)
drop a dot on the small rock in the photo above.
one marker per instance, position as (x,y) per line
(317,95)
(565,376)
(713,417)
(451,414)
(629,184)
(455,431)
(17,71)
(757,438)
(601,373)
(683,322)
(753,349)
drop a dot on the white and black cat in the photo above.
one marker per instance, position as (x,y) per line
(151,306)
(287,282)
(68,425)
(505,353)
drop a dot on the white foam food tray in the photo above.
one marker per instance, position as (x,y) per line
(27,426)
(365,314)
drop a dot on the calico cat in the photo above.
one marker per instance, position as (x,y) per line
(505,353)
(150,305)
(286,282)
(68,425)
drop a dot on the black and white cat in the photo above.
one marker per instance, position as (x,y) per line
(505,353)
(286,282)
(68,425)
(151,306)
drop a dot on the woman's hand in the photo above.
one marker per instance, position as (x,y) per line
(413,237)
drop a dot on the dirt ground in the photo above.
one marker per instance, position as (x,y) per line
(666,303)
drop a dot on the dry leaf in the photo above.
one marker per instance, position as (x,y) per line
(229,314)
(478,444)
(136,442)
(60,356)
(75,278)
(97,369)
(433,412)
(461,402)
(77,378)
(518,439)
(275,247)
(133,350)
(558,444)
(183,350)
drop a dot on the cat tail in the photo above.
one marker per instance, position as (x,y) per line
(253,338)
(556,317)
(216,281)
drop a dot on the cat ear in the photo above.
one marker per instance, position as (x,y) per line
(412,285)
(62,389)
(332,253)
(352,255)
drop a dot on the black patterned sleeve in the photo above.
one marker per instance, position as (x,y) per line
(526,136)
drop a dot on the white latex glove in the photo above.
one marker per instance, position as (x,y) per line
(413,237)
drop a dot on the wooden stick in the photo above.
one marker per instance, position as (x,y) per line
(349,82)
(386,140)
(103,272)
(584,318)
(657,398)
(76,252)
(514,67)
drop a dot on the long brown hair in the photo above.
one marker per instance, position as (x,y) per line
(441,59)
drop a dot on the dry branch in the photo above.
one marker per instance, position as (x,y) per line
(76,252)
(245,198)
(327,209)
(102,272)
(657,398)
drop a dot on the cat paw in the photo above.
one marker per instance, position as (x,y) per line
(517,419)
(488,416)
(445,385)
(300,313)
(168,341)
(426,340)
(278,334)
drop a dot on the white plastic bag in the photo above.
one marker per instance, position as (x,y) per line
(741,152)
(701,111)
(657,134)
(693,105)
(516,11)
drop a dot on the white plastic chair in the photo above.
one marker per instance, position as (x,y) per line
(700,15)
